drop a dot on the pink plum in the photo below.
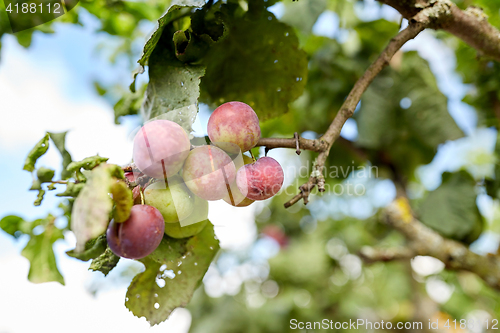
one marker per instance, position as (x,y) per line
(234,124)
(235,197)
(160,148)
(261,179)
(138,236)
(208,171)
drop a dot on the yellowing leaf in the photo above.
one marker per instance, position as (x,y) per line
(122,196)
(93,205)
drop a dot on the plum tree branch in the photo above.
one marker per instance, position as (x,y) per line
(347,110)
(426,242)
(305,144)
(372,254)
(470,25)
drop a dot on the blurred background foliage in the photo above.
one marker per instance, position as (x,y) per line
(304,263)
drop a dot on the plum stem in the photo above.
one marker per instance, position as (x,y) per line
(297,145)
(251,154)
(142,195)
(59,182)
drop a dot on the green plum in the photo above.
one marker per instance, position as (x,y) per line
(191,225)
(175,202)
(175,230)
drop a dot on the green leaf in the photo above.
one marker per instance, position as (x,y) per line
(45,175)
(123,198)
(93,249)
(259,63)
(451,208)
(16,226)
(175,11)
(11,224)
(72,190)
(303,14)
(67,206)
(374,34)
(43,266)
(189,47)
(207,24)
(92,207)
(173,89)
(35,153)
(59,140)
(39,198)
(188,262)
(493,185)
(105,262)
(169,250)
(36,185)
(87,163)
(129,104)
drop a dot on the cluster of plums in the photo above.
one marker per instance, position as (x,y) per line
(176,203)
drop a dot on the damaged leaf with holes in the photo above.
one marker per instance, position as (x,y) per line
(173,272)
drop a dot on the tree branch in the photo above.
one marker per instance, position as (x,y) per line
(347,110)
(371,254)
(426,242)
(304,144)
(470,25)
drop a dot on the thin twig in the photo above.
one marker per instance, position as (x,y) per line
(297,144)
(304,144)
(372,254)
(426,242)
(59,182)
(347,109)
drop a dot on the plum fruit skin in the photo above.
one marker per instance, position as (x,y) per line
(160,148)
(191,225)
(234,123)
(260,180)
(236,198)
(203,172)
(138,236)
(175,202)
(200,212)
(175,230)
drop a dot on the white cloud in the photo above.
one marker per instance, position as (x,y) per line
(32,103)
